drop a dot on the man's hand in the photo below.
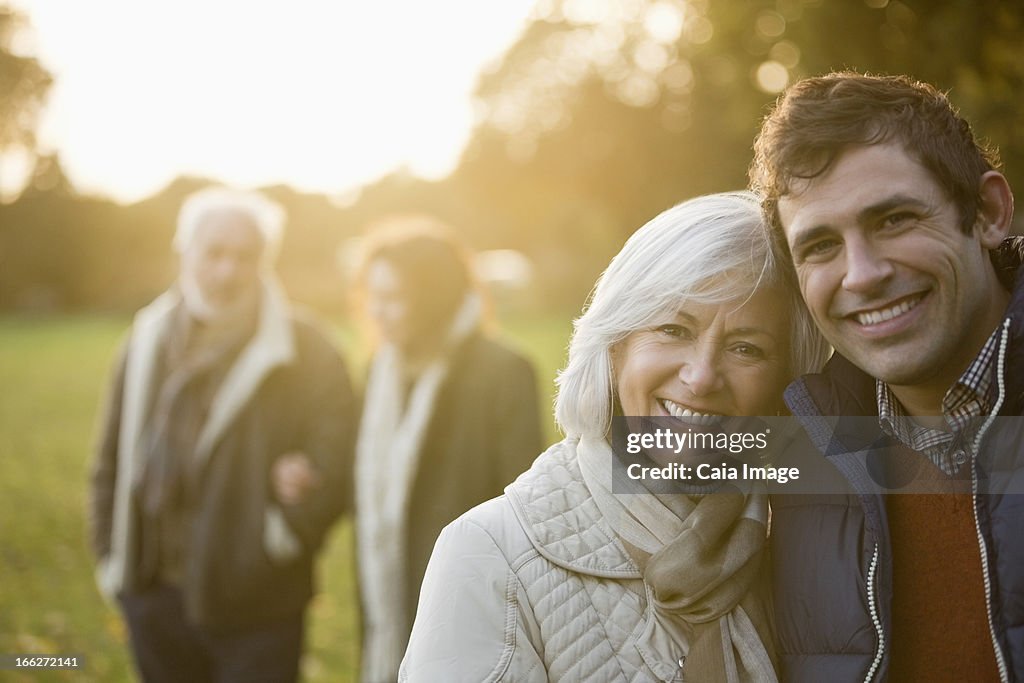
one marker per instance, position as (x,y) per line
(293,476)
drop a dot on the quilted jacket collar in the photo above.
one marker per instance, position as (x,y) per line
(562,520)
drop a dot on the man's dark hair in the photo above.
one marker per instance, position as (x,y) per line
(817,119)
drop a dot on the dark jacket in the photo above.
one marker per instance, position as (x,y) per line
(485,430)
(299,403)
(831,553)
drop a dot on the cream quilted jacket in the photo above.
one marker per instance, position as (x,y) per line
(535,586)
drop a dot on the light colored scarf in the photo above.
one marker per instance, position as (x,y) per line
(390,440)
(271,346)
(195,357)
(702,556)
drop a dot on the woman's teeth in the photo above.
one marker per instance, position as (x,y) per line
(688,414)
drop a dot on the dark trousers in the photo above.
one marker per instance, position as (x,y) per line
(168,649)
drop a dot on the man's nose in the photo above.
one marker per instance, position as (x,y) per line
(866,266)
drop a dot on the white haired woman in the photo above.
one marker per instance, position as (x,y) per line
(561,579)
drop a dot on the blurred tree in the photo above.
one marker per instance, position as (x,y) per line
(602,114)
(971,48)
(23,87)
(48,177)
(607,111)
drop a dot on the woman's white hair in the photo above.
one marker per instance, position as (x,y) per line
(712,249)
(267,215)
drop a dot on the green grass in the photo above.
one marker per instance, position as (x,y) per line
(53,374)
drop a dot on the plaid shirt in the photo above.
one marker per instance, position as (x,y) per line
(971,398)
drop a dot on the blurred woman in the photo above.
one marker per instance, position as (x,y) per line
(450,417)
(562,580)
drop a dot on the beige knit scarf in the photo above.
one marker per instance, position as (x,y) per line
(702,559)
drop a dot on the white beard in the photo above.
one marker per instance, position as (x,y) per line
(195,301)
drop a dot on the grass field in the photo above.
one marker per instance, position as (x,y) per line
(53,374)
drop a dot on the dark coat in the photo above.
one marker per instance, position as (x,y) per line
(831,554)
(485,430)
(306,405)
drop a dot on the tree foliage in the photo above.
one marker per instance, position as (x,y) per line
(605,113)
(23,86)
(602,114)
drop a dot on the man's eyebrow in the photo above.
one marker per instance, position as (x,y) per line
(879,209)
(865,215)
(809,235)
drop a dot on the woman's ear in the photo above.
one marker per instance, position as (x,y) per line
(614,356)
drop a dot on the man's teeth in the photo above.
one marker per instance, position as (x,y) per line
(875,317)
(679,411)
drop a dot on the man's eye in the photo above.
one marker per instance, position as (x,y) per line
(818,250)
(895,220)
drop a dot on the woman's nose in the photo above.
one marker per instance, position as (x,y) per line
(699,371)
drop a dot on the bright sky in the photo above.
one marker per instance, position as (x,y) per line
(324,95)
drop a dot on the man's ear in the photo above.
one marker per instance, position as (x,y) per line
(995,214)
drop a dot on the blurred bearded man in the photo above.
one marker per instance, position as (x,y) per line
(224,457)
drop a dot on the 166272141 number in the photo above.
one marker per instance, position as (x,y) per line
(33,661)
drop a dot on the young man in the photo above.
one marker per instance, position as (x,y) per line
(895,218)
(224,458)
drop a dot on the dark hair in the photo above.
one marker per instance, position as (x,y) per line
(433,266)
(816,119)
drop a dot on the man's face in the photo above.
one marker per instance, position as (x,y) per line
(220,267)
(887,273)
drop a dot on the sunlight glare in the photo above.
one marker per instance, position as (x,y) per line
(322,96)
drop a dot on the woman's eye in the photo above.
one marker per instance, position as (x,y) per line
(746,350)
(677,331)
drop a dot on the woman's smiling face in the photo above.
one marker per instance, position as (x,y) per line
(730,359)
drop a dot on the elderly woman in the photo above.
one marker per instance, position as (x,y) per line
(561,579)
